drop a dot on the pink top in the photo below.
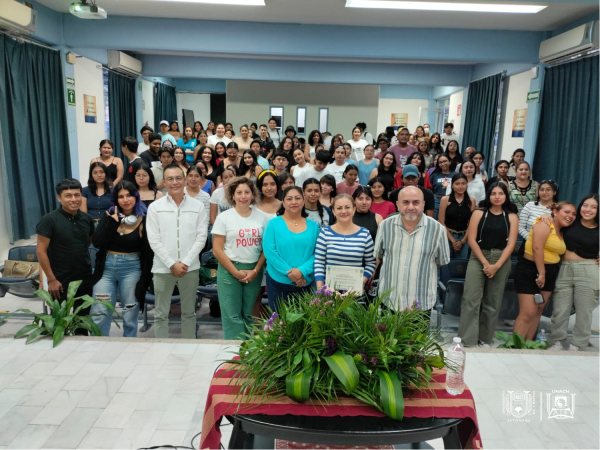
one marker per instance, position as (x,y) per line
(384,208)
(341,188)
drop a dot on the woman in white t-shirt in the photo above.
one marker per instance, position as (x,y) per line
(237,245)
(358,145)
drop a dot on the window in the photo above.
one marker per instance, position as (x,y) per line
(301,120)
(276,112)
(323,119)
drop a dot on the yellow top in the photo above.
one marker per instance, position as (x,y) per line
(553,248)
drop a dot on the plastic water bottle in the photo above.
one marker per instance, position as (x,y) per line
(455,382)
(542,336)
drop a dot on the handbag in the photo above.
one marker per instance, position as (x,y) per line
(21,269)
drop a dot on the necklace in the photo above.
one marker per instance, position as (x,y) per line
(287,218)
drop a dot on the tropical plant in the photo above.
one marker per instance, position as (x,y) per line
(61,322)
(517,341)
(323,345)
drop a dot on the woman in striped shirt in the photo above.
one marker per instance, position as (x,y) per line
(547,196)
(344,243)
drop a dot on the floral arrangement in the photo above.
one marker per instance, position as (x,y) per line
(324,344)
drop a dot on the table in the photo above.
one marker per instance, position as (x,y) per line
(251,416)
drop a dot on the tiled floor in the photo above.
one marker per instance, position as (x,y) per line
(139,393)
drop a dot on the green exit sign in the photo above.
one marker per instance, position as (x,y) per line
(533,96)
(71,97)
(139,85)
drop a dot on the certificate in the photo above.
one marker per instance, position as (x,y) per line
(345,278)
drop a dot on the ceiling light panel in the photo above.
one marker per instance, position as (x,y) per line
(510,8)
(219,2)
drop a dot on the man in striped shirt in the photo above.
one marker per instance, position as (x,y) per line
(410,248)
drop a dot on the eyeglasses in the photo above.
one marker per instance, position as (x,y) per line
(172,180)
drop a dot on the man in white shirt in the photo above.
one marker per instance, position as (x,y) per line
(165,156)
(177,227)
(145,132)
(318,169)
(164,133)
(448,135)
(219,137)
(274,132)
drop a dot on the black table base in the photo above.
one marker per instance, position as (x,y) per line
(356,431)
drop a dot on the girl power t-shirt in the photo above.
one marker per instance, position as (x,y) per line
(243,235)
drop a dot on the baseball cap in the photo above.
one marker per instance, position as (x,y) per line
(164,122)
(290,128)
(410,171)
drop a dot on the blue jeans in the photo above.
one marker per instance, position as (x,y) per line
(436,209)
(278,292)
(120,272)
(464,251)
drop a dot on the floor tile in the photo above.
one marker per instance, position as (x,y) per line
(101,393)
(159,396)
(100,438)
(65,399)
(141,379)
(50,415)
(179,413)
(118,411)
(167,437)
(15,421)
(87,377)
(138,431)
(33,436)
(74,428)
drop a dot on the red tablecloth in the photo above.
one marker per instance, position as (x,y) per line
(222,401)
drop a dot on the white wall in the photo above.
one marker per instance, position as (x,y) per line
(249,101)
(453,117)
(148,104)
(88,81)
(514,97)
(4,237)
(389,106)
(197,102)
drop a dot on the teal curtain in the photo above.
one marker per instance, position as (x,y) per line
(567,145)
(165,104)
(481,115)
(121,109)
(35,146)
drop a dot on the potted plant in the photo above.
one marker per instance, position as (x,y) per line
(517,341)
(323,345)
(61,321)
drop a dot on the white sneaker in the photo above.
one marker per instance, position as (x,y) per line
(573,348)
(484,345)
(509,323)
(557,346)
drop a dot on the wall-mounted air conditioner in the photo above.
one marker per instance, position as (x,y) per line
(581,39)
(122,62)
(16,17)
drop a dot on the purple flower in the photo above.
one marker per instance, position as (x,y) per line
(363,357)
(280,338)
(416,304)
(380,327)
(374,361)
(331,346)
(321,312)
(324,291)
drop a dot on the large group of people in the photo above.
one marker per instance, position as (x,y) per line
(281,210)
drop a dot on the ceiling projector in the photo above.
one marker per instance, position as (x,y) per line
(85,10)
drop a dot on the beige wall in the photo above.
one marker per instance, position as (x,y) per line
(514,98)
(249,101)
(389,106)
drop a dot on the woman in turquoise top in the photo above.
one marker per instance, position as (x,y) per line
(188,143)
(289,247)
(366,166)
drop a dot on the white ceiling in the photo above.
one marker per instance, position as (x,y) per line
(333,12)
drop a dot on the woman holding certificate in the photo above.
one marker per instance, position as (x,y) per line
(289,247)
(344,250)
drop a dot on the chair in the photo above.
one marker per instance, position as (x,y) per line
(451,285)
(21,287)
(209,292)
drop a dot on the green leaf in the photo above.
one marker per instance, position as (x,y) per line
(44,295)
(26,329)
(344,369)
(35,334)
(72,290)
(90,323)
(297,386)
(281,372)
(391,394)
(435,361)
(518,340)
(6,316)
(501,335)
(297,358)
(293,317)
(306,359)
(49,323)
(59,333)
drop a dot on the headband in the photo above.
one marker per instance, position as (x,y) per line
(264,172)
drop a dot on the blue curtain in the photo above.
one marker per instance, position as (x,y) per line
(165,104)
(481,115)
(121,109)
(34,133)
(567,145)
